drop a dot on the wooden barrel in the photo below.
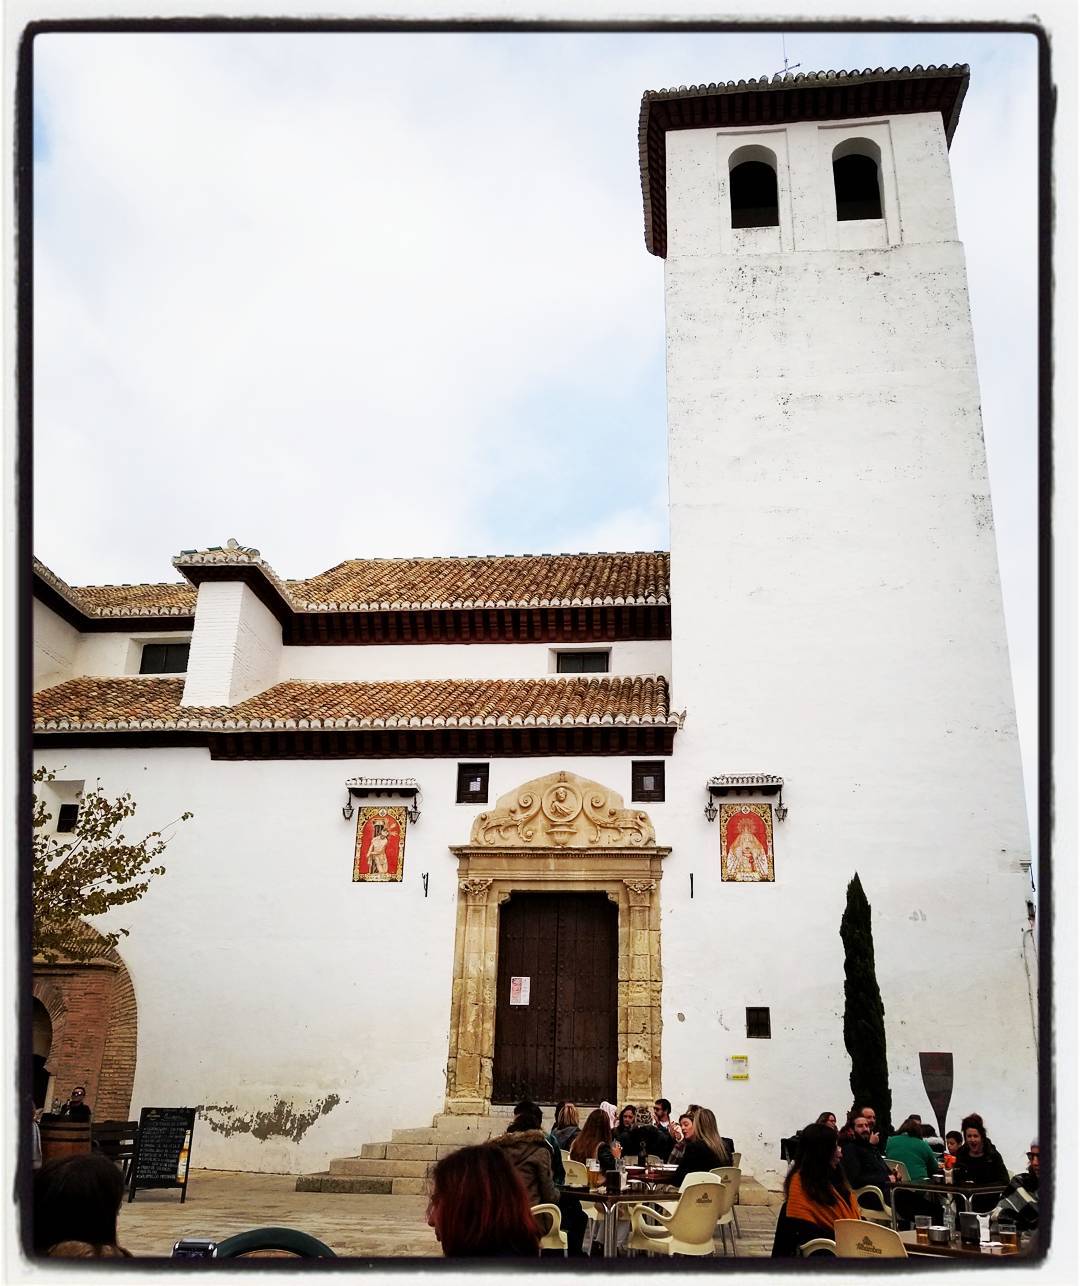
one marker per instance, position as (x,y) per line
(63,1139)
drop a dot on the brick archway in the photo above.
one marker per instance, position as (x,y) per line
(94,1016)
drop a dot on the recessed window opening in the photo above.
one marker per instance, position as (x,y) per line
(472,783)
(647,781)
(857,180)
(67,818)
(582,662)
(758,1023)
(164,658)
(752,185)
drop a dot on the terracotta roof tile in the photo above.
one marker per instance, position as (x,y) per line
(145,702)
(508,580)
(403,584)
(137,599)
(177,599)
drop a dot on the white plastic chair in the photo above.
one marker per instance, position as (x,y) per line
(819,1246)
(860,1239)
(901,1170)
(689,1230)
(730,1222)
(554,1238)
(875,1214)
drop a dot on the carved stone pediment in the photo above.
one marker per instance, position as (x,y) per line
(562,810)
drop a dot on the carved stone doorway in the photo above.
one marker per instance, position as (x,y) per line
(558,833)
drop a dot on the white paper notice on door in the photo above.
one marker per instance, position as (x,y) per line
(519,991)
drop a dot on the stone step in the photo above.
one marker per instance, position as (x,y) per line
(410,1187)
(431,1137)
(362,1166)
(326,1182)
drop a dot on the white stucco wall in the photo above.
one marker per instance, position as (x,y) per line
(464,660)
(263,972)
(837,620)
(55,645)
(235,647)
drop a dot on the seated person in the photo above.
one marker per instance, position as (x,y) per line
(704,1148)
(979,1162)
(567,1125)
(954,1141)
(1020,1200)
(909,1146)
(816,1193)
(540,1165)
(863,1164)
(626,1133)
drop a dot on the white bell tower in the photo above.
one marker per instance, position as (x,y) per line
(837,616)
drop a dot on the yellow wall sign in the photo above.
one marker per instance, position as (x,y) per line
(738,1067)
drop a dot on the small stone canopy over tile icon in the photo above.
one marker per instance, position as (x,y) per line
(562,810)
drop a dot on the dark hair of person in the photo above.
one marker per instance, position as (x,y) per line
(596,1130)
(821,1179)
(691,1108)
(910,1126)
(974,1122)
(77,1199)
(824,1117)
(84,1250)
(954,1134)
(664,1105)
(928,1131)
(527,1116)
(628,1108)
(481,1206)
(567,1115)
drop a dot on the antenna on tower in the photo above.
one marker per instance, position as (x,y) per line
(783,50)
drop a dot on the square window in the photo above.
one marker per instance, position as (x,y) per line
(164,658)
(583,662)
(758,1024)
(647,781)
(67,818)
(472,783)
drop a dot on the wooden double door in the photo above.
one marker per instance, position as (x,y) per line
(556,1015)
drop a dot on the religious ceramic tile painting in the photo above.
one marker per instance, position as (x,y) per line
(380,844)
(746,851)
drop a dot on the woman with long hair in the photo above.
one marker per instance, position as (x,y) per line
(827,1118)
(626,1133)
(594,1141)
(567,1125)
(703,1148)
(478,1206)
(816,1193)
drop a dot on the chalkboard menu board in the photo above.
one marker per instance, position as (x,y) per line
(163,1149)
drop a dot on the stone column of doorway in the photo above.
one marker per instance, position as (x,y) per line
(472,1007)
(640,1014)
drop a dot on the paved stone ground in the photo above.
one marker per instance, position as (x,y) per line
(220,1203)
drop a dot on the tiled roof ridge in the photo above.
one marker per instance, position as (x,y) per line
(640,700)
(806,78)
(75,595)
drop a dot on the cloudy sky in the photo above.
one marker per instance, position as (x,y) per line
(341,295)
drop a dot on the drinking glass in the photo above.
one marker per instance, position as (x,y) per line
(922,1228)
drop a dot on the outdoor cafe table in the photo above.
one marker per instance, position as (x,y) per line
(611,1200)
(940,1189)
(957,1250)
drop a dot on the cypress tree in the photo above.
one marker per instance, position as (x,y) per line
(864,1014)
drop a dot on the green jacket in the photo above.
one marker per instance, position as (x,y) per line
(916,1154)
